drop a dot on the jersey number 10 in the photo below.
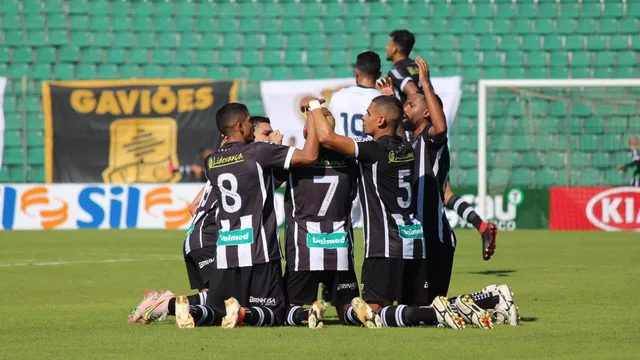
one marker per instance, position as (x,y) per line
(354,118)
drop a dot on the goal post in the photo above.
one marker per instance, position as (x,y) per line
(536,89)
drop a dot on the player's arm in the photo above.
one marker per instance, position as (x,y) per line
(309,153)
(193,207)
(438,132)
(628,165)
(403,81)
(328,137)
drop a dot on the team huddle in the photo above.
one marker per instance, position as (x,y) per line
(387,163)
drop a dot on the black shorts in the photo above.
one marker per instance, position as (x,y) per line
(257,285)
(440,266)
(302,286)
(386,280)
(200,264)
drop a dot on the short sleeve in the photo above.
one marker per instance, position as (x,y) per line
(274,156)
(400,77)
(428,139)
(368,151)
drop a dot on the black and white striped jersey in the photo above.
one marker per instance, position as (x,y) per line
(241,177)
(391,229)
(431,177)
(318,199)
(203,231)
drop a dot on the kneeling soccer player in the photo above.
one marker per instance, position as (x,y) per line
(394,268)
(319,236)
(248,276)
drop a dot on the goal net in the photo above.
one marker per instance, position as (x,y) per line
(534,134)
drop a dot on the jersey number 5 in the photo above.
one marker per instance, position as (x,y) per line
(333,185)
(402,174)
(229,192)
(354,118)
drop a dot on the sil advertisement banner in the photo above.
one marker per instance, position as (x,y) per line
(595,208)
(129,131)
(281,100)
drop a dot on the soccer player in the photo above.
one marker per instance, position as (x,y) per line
(404,72)
(635,163)
(261,128)
(425,117)
(248,272)
(319,237)
(394,268)
(199,256)
(350,104)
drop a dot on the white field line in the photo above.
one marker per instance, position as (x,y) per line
(104,261)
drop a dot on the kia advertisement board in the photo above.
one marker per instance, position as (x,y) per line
(595,208)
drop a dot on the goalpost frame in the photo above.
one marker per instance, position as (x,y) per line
(482,115)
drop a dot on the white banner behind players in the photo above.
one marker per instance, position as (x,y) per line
(281,100)
(3,84)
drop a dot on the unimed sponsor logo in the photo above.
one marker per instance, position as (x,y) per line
(235,237)
(327,241)
(615,209)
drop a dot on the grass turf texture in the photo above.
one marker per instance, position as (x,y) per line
(576,292)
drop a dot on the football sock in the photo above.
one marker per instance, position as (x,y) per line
(486,300)
(296,316)
(403,316)
(259,316)
(350,317)
(197,299)
(204,315)
(465,211)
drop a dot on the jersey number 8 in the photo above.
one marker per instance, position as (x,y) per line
(229,192)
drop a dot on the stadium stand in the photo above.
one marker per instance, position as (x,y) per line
(82,39)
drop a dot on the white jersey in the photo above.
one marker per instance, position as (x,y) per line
(348,106)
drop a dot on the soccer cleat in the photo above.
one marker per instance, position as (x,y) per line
(316,314)
(446,317)
(506,312)
(235,314)
(158,309)
(473,314)
(365,313)
(138,312)
(488,237)
(184,320)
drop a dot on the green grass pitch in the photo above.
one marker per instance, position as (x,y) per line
(65,295)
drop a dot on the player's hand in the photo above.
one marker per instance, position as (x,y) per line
(224,140)
(425,73)
(304,104)
(276,137)
(619,167)
(385,85)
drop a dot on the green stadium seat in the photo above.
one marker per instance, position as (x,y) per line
(537,59)
(522,26)
(168,9)
(216,72)
(293,57)
(507,160)
(12,156)
(448,58)
(186,9)
(574,42)
(589,143)
(173,72)
(543,26)
(467,42)
(190,41)
(23,55)
(259,73)
(99,23)
(612,142)
(209,57)
(254,41)
(115,56)
(558,72)
(92,56)
(14,38)
(85,71)
(46,55)
(566,26)
(627,58)
(532,159)
(129,71)
(552,42)
(522,177)
(629,25)
(597,42)
(206,24)
(616,124)
(232,41)
(124,39)
(613,10)
(603,72)
(19,70)
(13,138)
(276,42)
(103,39)
(532,43)
(271,26)
(142,24)
(459,26)
(275,10)
(238,72)
(36,156)
(64,71)
(35,138)
(291,26)
(272,57)
(600,160)
(227,57)
(489,42)
(620,157)
(107,71)
(187,24)
(163,24)
(250,57)
(514,59)
(608,26)
(510,42)
(355,26)
(591,10)
(381,10)
(146,40)
(613,177)
(121,23)
(499,177)
(555,160)
(588,177)
(152,71)
(281,73)
(41,71)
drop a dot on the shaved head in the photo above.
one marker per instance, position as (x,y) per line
(389,107)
